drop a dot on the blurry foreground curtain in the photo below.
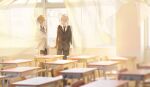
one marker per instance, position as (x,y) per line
(93,22)
(18,27)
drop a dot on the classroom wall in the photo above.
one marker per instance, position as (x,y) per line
(128,33)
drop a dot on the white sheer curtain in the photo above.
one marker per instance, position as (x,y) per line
(18,27)
(145,27)
(93,22)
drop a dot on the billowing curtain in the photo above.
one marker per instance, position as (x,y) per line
(93,22)
(18,27)
(145,28)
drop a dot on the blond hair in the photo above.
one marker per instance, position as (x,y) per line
(41,18)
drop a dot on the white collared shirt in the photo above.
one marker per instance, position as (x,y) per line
(65,29)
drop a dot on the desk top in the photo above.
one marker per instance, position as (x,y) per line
(81,57)
(78,70)
(48,56)
(136,72)
(19,69)
(144,66)
(2,77)
(37,81)
(61,62)
(118,58)
(17,61)
(106,83)
(103,63)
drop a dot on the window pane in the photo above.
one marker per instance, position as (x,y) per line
(26,1)
(56,1)
(20,2)
(53,17)
(34,1)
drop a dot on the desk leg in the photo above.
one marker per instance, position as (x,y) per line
(126,85)
(94,77)
(99,73)
(104,74)
(64,82)
(84,79)
(7,83)
(85,64)
(35,62)
(137,83)
(61,84)
(3,82)
(143,85)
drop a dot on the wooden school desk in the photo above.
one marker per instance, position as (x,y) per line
(2,78)
(64,64)
(125,62)
(40,82)
(139,75)
(84,58)
(47,58)
(115,58)
(79,73)
(17,62)
(107,83)
(122,61)
(104,66)
(20,71)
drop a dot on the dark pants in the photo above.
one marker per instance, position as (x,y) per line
(44,52)
(63,52)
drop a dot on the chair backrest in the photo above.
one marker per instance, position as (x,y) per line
(120,71)
(123,70)
(78,83)
(56,70)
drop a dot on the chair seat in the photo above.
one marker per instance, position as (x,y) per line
(147,81)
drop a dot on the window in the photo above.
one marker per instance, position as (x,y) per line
(53,20)
(55,1)
(26,1)
(20,1)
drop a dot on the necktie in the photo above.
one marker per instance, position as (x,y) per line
(64,28)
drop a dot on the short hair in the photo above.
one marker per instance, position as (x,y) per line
(41,18)
(64,16)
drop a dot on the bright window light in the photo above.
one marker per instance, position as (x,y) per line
(55,1)
(20,1)
(26,1)
(34,1)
